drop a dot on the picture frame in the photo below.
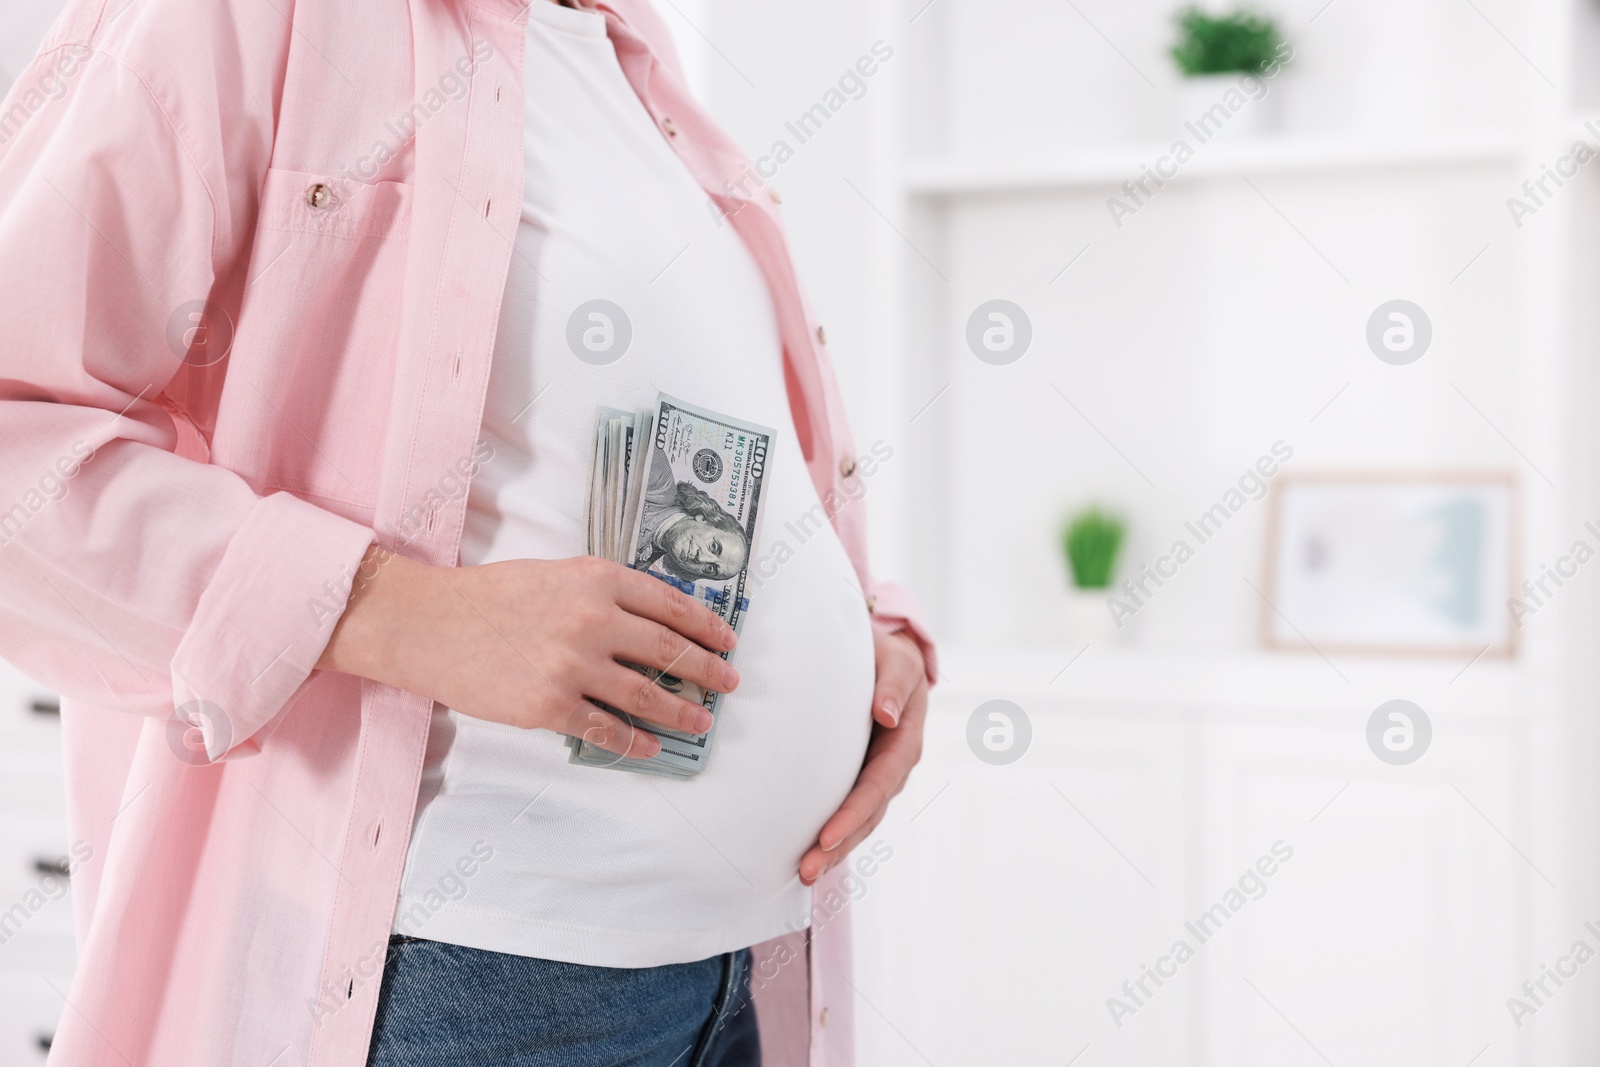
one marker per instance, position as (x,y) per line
(1392,563)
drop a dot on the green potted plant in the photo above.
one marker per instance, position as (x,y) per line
(1228,63)
(1091,540)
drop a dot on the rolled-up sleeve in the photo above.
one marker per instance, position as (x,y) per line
(134,575)
(896,610)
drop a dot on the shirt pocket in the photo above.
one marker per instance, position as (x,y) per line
(318,205)
(306,404)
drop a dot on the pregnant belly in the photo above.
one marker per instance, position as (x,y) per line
(582,849)
(792,737)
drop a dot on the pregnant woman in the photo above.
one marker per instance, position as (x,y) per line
(308,317)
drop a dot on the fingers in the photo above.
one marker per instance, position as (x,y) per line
(878,784)
(890,760)
(650,644)
(639,695)
(601,728)
(891,757)
(813,865)
(900,672)
(819,861)
(639,594)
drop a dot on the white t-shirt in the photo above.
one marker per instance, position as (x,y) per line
(595,866)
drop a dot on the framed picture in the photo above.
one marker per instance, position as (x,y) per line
(1409,564)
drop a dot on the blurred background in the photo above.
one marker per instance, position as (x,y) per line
(1305,291)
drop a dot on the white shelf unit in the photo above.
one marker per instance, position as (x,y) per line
(1112,165)
(1428,894)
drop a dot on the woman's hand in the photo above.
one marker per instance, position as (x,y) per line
(899,712)
(526,642)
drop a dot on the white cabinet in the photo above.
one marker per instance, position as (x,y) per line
(1393,925)
(36,943)
(1016,894)
(1391,936)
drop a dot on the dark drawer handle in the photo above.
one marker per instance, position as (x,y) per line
(49,866)
(46,706)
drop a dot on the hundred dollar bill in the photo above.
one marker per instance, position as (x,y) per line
(609,425)
(616,444)
(691,507)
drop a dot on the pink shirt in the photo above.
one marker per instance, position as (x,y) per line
(252,419)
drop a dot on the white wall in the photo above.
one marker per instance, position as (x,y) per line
(1206,327)
(1029,75)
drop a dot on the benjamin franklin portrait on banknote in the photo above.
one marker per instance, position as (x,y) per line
(686,529)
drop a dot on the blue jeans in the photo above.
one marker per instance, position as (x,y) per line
(445,1005)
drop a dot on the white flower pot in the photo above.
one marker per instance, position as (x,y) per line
(1226,108)
(1087,617)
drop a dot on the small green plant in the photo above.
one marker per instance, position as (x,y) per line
(1091,541)
(1242,41)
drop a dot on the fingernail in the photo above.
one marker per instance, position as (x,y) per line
(830,848)
(730,640)
(703,722)
(730,678)
(892,709)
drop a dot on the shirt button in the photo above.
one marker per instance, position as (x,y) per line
(319,196)
(872,603)
(822,336)
(822,1017)
(670,127)
(847,466)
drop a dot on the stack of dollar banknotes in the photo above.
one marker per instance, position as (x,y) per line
(676,492)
